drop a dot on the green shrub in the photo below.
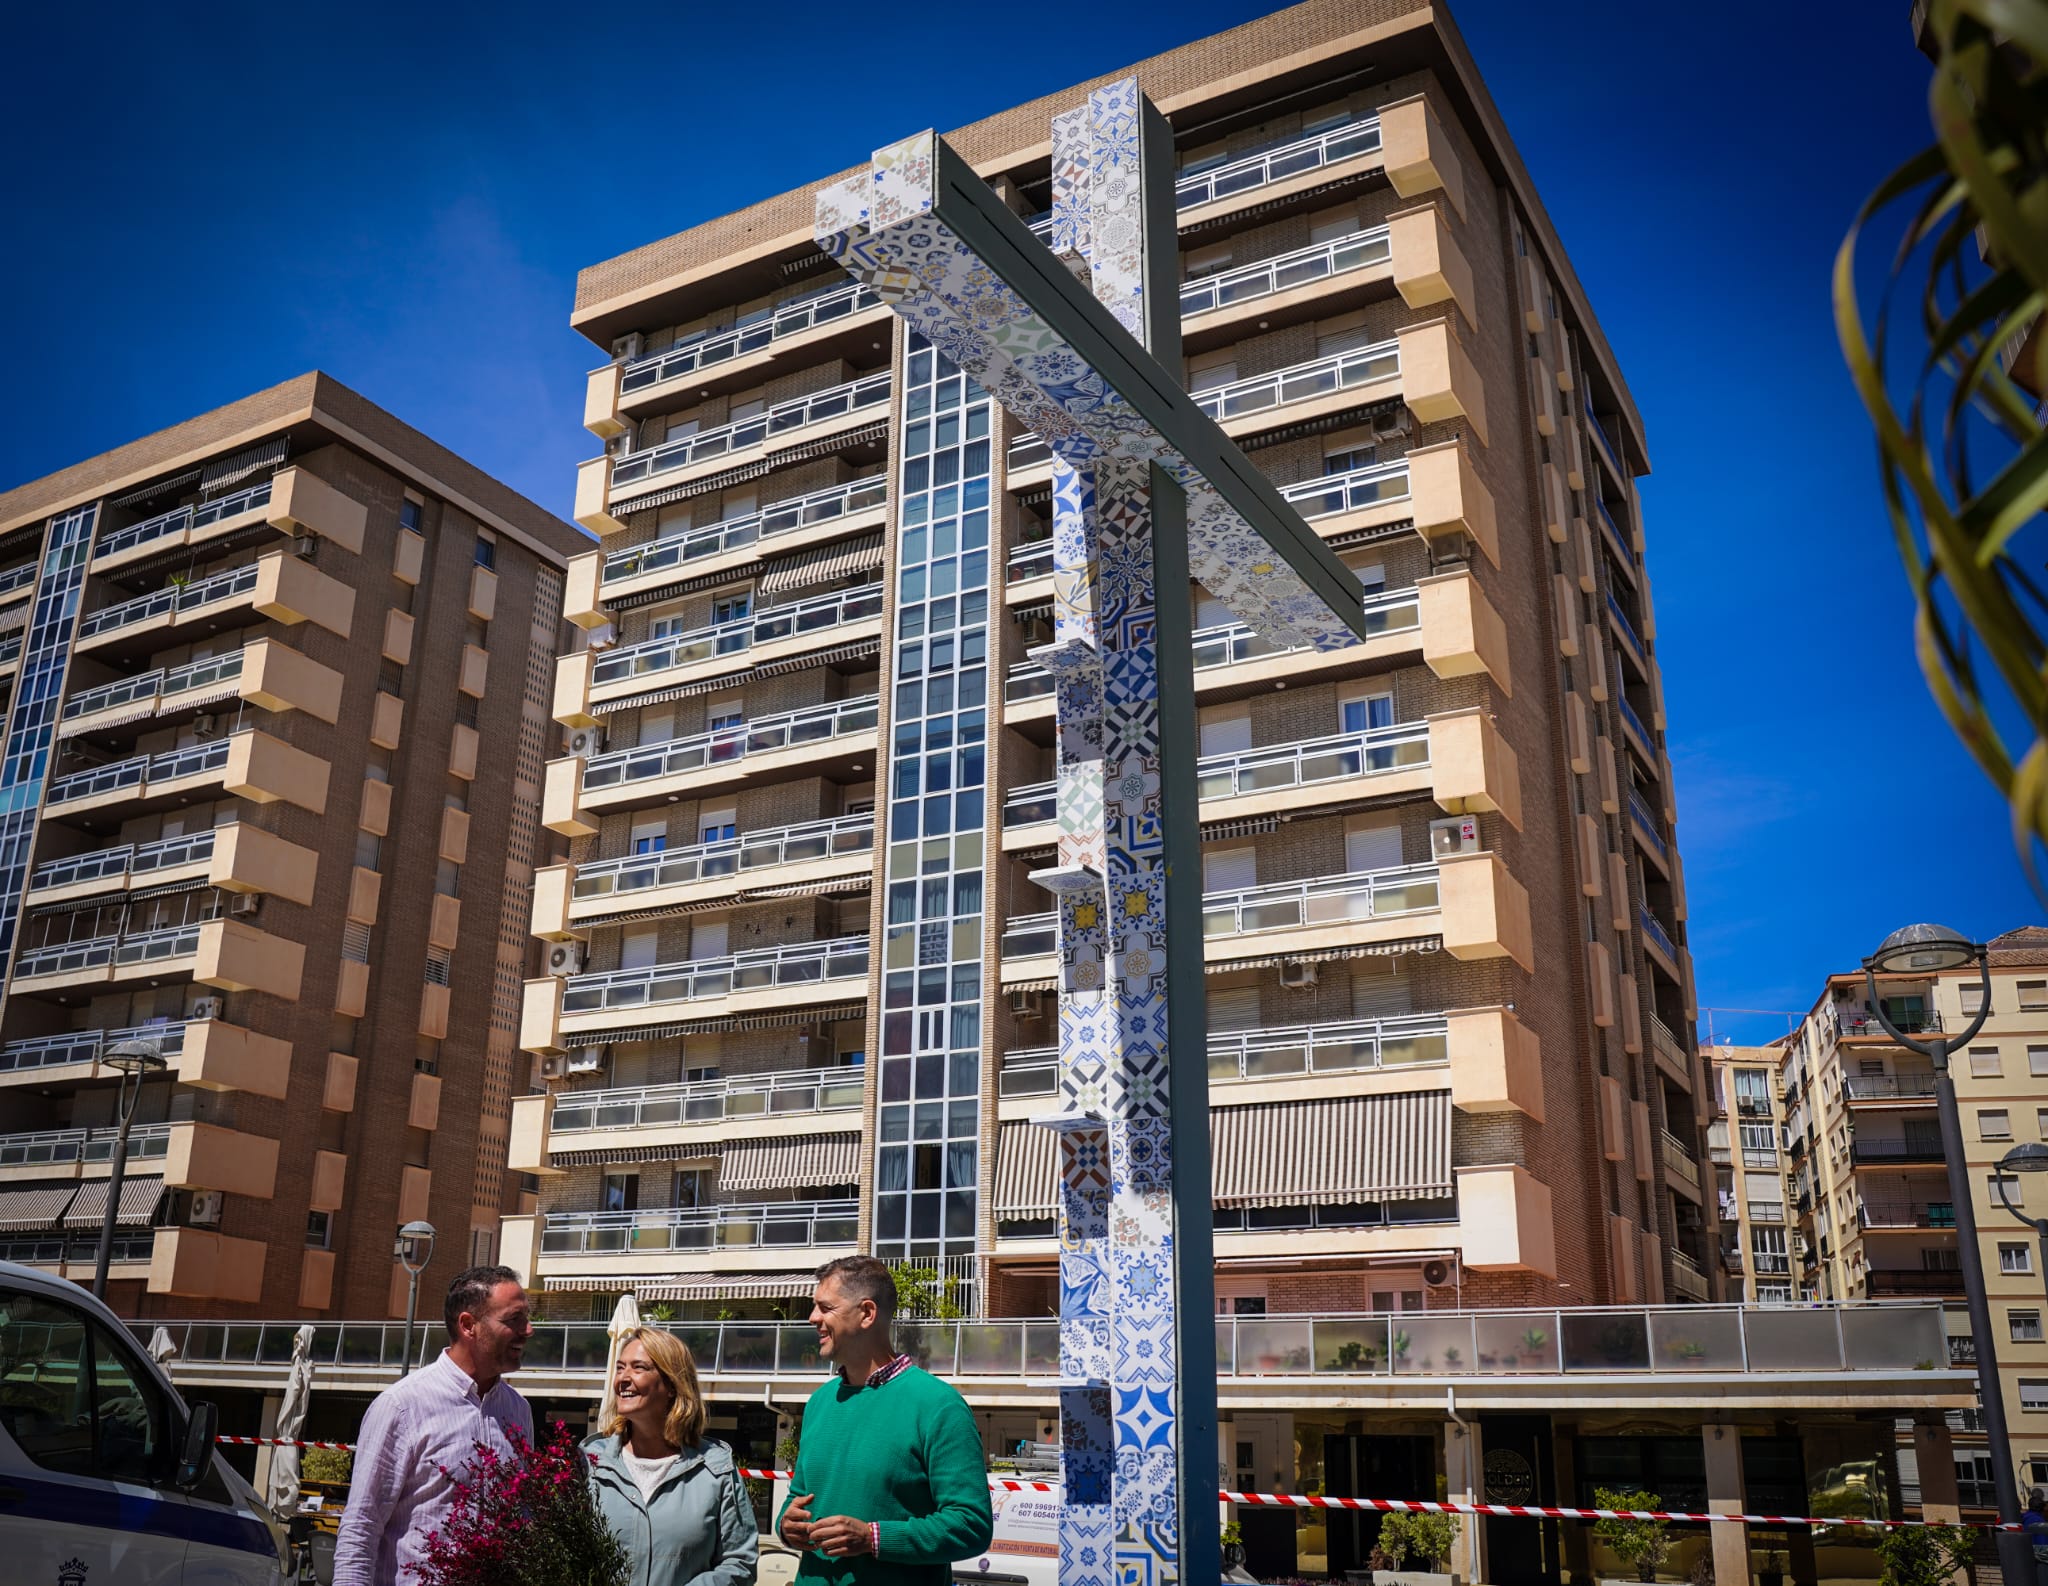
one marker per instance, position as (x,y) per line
(1427,1538)
(1641,1545)
(326,1464)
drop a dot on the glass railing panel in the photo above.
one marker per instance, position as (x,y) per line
(1626,629)
(1796,1340)
(111,696)
(1696,1338)
(1251,171)
(1302,382)
(163,525)
(67,958)
(174,851)
(730,638)
(1634,722)
(79,868)
(1653,928)
(204,673)
(1424,1345)
(783,419)
(1031,935)
(715,539)
(247,499)
(1352,1346)
(18,578)
(722,346)
(1030,561)
(1286,271)
(1353,491)
(1028,805)
(151,947)
(816,724)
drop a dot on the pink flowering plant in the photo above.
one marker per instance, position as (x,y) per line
(525,1519)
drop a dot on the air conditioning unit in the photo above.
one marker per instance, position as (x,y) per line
(586,741)
(205,1209)
(554,1066)
(246,905)
(1296,975)
(587,1060)
(205,725)
(627,348)
(565,958)
(1387,426)
(1457,835)
(1026,1004)
(1037,630)
(1436,1273)
(305,545)
(209,1008)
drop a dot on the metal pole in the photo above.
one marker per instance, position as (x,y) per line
(124,1104)
(412,1300)
(2015,1551)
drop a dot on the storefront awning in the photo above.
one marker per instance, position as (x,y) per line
(802,1163)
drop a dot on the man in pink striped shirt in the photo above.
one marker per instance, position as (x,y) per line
(400,1490)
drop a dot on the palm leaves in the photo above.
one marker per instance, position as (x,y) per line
(1977,248)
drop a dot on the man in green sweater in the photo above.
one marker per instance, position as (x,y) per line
(890,1486)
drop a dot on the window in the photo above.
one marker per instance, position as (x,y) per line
(716,826)
(1372,845)
(2033,1395)
(1984,1063)
(732,607)
(1225,729)
(639,949)
(1994,1123)
(2037,1061)
(1207,261)
(1973,998)
(1230,869)
(1371,576)
(692,1187)
(1327,225)
(2041,1122)
(1366,712)
(411,515)
(2034,994)
(319,1230)
(2007,1184)
(650,837)
(708,939)
(2025,1326)
(70,1398)
(486,551)
(1208,370)
(621,1192)
(1343,459)
(2015,1257)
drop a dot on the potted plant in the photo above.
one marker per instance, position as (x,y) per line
(1426,1539)
(1533,1341)
(1929,1555)
(1233,1545)
(1773,1571)
(1686,1351)
(1453,1361)
(1399,1347)
(1355,1354)
(1641,1545)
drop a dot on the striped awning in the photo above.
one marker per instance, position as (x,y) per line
(801,1163)
(30,1208)
(726,478)
(701,1151)
(162,487)
(694,1286)
(266,457)
(1304,1153)
(821,564)
(136,1209)
(1325,955)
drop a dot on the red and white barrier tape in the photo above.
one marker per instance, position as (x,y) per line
(1287,1500)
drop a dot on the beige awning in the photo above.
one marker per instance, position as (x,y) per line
(225,472)
(672,1286)
(139,1197)
(30,1208)
(700,1152)
(1303,1153)
(805,1162)
(820,565)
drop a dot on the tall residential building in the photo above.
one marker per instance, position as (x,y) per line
(266,672)
(1870,1180)
(1748,1140)
(800,997)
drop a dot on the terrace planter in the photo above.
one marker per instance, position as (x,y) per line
(1408,1577)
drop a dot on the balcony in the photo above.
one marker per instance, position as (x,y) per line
(1602,443)
(811,418)
(1238,405)
(784,857)
(1893,1153)
(76,1053)
(1910,1088)
(813,740)
(1625,631)
(774,633)
(1645,743)
(16,582)
(224,953)
(247,764)
(1663,950)
(1617,542)
(1678,1160)
(621,1000)
(36,1152)
(278,585)
(1642,822)
(1884,1212)
(646,382)
(263,672)
(796,1226)
(291,502)
(713,548)
(237,857)
(1288,273)
(1286,163)
(1687,1278)
(654,1116)
(1857,1024)
(1882,1282)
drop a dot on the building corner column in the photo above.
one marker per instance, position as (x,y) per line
(1464,1481)
(1723,1443)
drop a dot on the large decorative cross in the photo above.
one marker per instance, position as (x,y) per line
(1081,342)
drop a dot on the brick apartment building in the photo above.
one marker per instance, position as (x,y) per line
(277,709)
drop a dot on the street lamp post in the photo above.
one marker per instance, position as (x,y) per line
(2031,1157)
(415,1249)
(1930,949)
(136,1060)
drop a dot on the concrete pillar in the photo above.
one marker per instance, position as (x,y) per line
(1464,1480)
(1724,1496)
(1934,1448)
(1574,1536)
(266,1426)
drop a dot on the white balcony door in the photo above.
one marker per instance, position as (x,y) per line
(1372,845)
(1226,729)
(1230,869)
(707,939)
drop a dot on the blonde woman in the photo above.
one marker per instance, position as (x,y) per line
(671,1494)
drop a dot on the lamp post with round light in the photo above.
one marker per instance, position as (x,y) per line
(137,1061)
(415,1249)
(2031,1157)
(1931,950)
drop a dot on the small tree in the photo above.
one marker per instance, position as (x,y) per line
(1924,1555)
(1427,1538)
(923,1296)
(1641,1545)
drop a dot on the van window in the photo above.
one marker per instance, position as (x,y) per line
(71,1397)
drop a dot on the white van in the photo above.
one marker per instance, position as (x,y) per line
(107,1477)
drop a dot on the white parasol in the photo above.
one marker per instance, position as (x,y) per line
(291,1419)
(625,1320)
(162,1346)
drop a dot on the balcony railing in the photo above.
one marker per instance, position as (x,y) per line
(785,418)
(814,724)
(1653,928)
(85,1046)
(129,859)
(10,649)
(1646,822)
(1627,630)
(17,578)
(147,1142)
(1285,271)
(1679,1159)
(800,963)
(180,519)
(1633,721)
(1327,495)
(1666,1043)
(1251,171)
(1889,1087)
(235,582)
(1032,560)
(675,867)
(803,1090)
(77,1247)
(818,614)
(1687,1277)
(1883,1152)
(1276,1052)
(1341,758)
(732,534)
(1260,393)
(1885,1281)
(100,952)
(1886,1213)
(786,1224)
(1759,1157)
(137,769)
(1765,1211)
(1599,433)
(708,351)
(1615,538)
(202,673)
(1857,1022)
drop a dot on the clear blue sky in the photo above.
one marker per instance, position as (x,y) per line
(206,201)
